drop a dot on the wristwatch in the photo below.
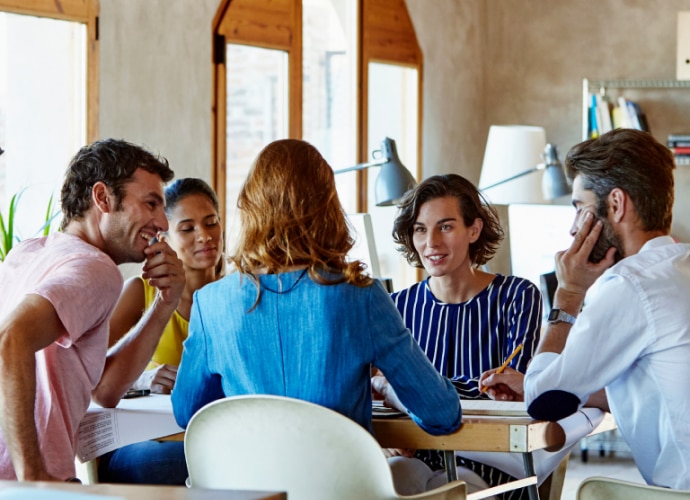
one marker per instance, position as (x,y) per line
(558,316)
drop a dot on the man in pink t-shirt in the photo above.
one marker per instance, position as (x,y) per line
(58,294)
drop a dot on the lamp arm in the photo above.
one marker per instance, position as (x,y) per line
(539,166)
(360,166)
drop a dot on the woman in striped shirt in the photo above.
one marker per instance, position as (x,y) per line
(466,320)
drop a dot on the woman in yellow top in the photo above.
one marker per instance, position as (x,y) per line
(195,235)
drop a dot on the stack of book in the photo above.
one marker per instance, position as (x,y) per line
(680,147)
(605,116)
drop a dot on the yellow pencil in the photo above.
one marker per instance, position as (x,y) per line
(505,364)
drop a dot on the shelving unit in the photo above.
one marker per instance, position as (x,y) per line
(588,86)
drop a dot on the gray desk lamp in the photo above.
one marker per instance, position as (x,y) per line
(514,151)
(554,183)
(393,181)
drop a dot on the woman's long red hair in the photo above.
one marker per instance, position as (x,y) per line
(291,217)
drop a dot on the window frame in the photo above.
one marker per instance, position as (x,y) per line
(260,23)
(81,11)
(385,34)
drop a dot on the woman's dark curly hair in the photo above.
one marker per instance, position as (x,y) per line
(471,204)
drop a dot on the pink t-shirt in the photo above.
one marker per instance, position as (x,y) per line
(83,284)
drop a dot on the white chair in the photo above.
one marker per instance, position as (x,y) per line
(275,443)
(605,488)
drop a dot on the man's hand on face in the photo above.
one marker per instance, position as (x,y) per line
(574,271)
(165,271)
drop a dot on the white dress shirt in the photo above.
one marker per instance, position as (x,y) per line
(633,337)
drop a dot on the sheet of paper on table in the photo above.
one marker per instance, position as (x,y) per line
(134,420)
(496,408)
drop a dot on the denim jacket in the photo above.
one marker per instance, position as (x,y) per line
(308,341)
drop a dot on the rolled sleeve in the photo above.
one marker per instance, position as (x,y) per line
(604,342)
(545,401)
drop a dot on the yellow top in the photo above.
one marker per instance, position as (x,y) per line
(169,350)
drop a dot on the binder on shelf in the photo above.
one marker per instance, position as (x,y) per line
(678,140)
(593,129)
(627,119)
(639,120)
(619,117)
(604,114)
(679,144)
(681,150)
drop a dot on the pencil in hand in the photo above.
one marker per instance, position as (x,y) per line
(504,365)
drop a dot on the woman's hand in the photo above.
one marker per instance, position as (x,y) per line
(398,452)
(159,380)
(505,386)
(382,388)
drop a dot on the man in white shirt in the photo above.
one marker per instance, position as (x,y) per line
(632,338)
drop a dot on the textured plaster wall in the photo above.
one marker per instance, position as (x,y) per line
(156,81)
(537,53)
(522,61)
(451,35)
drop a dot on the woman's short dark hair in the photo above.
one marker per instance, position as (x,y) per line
(471,204)
(633,161)
(111,161)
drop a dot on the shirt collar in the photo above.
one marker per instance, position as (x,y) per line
(657,242)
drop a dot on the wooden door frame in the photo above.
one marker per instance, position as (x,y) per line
(259,23)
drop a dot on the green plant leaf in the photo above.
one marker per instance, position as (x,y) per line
(7,226)
(3,238)
(49,218)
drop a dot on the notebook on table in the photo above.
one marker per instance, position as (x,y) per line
(379,410)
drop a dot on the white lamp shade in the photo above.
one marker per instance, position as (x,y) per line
(511,150)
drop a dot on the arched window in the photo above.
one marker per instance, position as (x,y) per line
(341,74)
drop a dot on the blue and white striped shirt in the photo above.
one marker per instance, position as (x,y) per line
(464,340)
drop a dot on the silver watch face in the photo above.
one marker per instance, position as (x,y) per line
(553,314)
(557,316)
